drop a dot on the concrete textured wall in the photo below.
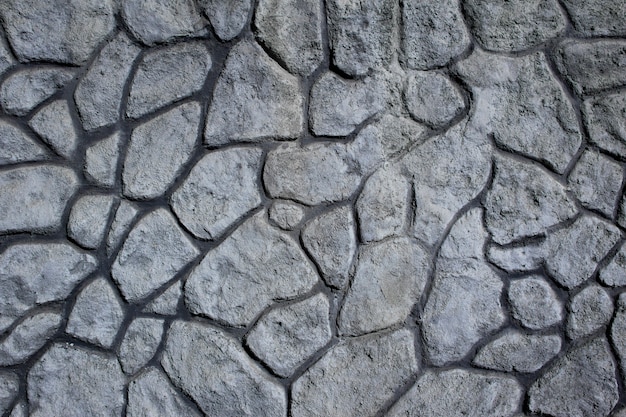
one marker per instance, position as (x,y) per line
(312,208)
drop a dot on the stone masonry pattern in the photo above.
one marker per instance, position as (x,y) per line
(312,208)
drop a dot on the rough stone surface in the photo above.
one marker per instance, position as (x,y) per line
(433,99)
(16,146)
(101,160)
(618,332)
(53,123)
(286,214)
(227,18)
(9,387)
(614,274)
(534,303)
(89,219)
(516,259)
(124,216)
(606,121)
(166,304)
(589,310)
(597,17)
(6,57)
(140,343)
(28,337)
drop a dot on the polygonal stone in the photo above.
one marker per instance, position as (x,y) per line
(199,359)
(16,146)
(432,98)
(614,274)
(534,303)
(466,238)
(589,310)
(286,214)
(168,75)
(605,118)
(28,337)
(597,17)
(158,150)
(618,332)
(244,109)
(518,258)
(286,337)
(220,189)
(153,253)
(166,304)
(355,377)
(9,388)
(140,343)
(6,57)
(101,160)
(124,216)
(53,123)
(20,410)
(254,266)
(227,18)
(89,219)
(396,135)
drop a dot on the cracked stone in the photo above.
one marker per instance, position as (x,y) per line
(16,146)
(227,18)
(618,332)
(166,304)
(534,303)
(220,190)
(433,99)
(6,57)
(28,337)
(287,336)
(255,266)
(89,219)
(199,358)
(9,388)
(75,382)
(155,250)
(597,17)
(589,310)
(158,151)
(140,343)
(254,99)
(286,214)
(124,216)
(53,123)
(101,160)
(168,75)
(614,274)
(356,376)
(516,259)
(605,118)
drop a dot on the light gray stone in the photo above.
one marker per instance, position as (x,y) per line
(158,151)
(433,33)
(155,250)
(166,304)
(356,377)
(124,216)
(168,75)
(89,219)
(28,337)
(9,388)
(286,337)
(75,382)
(38,273)
(516,259)
(199,359)
(580,384)
(20,410)
(390,278)
(517,352)
(467,394)
(614,274)
(466,238)
(330,239)
(292,29)
(97,314)
(589,310)
(228,18)
(53,123)
(432,98)
(618,332)
(6,57)
(220,190)
(534,303)
(605,118)
(140,343)
(16,146)
(101,160)
(597,17)
(59,30)
(396,135)
(286,214)
(255,266)
(246,109)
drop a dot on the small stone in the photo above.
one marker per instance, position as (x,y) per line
(97,314)
(534,303)
(23,90)
(580,384)
(28,337)
(158,151)
(390,278)
(124,216)
(467,393)
(255,266)
(200,358)
(330,239)
(286,337)
(605,118)
(396,135)
(286,214)
(20,410)
(74,382)
(89,219)
(597,17)
(589,310)
(516,259)
(155,250)
(518,352)
(356,376)
(433,99)
(168,75)
(101,160)
(59,30)
(166,304)
(6,57)
(140,343)
(55,126)
(151,394)
(433,33)
(220,190)
(227,18)
(99,93)
(9,388)
(16,146)
(243,109)
(292,30)
(466,238)
(618,332)
(614,274)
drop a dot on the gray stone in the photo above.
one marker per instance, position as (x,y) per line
(596,181)
(155,250)
(255,266)
(254,99)
(151,394)
(605,118)
(23,90)
(97,314)
(330,239)
(59,30)
(516,259)
(593,66)
(514,25)
(220,190)
(433,33)
(38,273)
(166,304)
(466,238)
(589,310)
(168,75)
(396,135)
(620,413)
(75,382)
(16,146)
(124,216)
(614,274)
(20,410)
(621,214)
(286,214)
(53,123)
(618,332)
(199,359)
(524,200)
(356,377)
(101,160)
(534,303)
(467,394)
(89,219)
(580,384)
(158,151)
(228,18)
(9,388)
(292,29)
(286,337)
(28,337)
(597,17)
(6,57)
(99,93)
(140,343)
(517,352)
(432,98)
(390,278)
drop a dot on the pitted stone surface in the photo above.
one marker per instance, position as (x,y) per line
(101,160)
(614,274)
(597,17)
(53,123)
(227,18)
(618,332)
(606,121)
(432,98)
(166,304)
(286,214)
(9,387)
(140,343)
(125,213)
(534,303)
(28,337)
(589,310)
(17,146)
(6,57)
(89,219)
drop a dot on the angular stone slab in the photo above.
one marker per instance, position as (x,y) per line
(228,18)
(101,160)
(53,123)
(140,343)
(16,146)
(89,219)
(29,336)
(605,118)
(597,17)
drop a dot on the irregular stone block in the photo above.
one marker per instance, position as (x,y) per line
(28,337)
(101,160)
(89,219)
(597,17)
(16,146)
(605,118)
(589,310)
(53,123)
(432,98)
(228,18)
(140,343)
(534,303)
